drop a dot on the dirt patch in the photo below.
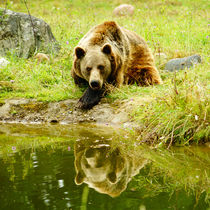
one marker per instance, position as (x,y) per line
(64,112)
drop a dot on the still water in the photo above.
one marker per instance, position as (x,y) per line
(88,167)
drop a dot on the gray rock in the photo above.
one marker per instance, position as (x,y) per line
(19,37)
(182,63)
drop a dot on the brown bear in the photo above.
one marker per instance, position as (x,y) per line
(104,168)
(110,54)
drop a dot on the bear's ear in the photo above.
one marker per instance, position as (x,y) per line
(79,52)
(112,177)
(107,49)
(79,178)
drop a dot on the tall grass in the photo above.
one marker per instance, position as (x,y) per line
(180,114)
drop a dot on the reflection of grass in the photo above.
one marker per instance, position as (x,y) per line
(17,137)
(175,170)
(11,144)
(172,171)
(84,198)
(179,109)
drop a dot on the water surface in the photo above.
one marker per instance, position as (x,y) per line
(89,167)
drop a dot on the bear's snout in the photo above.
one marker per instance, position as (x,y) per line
(95,84)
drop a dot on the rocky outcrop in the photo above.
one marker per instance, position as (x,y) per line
(25,35)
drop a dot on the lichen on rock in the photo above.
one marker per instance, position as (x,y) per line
(24,35)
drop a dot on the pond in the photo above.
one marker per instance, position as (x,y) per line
(97,167)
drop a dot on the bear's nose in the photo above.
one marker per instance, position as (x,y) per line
(95,84)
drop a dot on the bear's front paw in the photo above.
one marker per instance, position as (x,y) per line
(90,98)
(82,104)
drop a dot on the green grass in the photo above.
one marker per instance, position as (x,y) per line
(179,109)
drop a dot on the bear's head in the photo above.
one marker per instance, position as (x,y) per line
(94,64)
(103,168)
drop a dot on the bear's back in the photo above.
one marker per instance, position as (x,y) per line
(107,32)
(122,40)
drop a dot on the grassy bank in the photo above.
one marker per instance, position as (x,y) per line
(178,111)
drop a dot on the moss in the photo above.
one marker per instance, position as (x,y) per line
(36,107)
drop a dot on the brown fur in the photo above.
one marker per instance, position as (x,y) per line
(130,58)
(103,168)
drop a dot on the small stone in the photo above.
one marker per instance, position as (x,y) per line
(124,10)
(54,121)
(41,57)
(182,63)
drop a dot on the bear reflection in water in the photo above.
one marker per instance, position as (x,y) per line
(103,168)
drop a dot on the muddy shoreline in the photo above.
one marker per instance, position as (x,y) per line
(63,112)
(117,114)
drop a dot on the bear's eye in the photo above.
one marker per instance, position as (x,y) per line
(88,69)
(101,67)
